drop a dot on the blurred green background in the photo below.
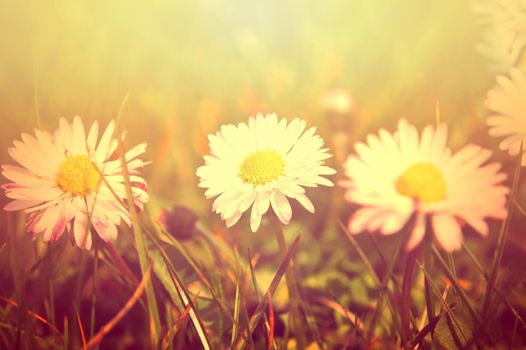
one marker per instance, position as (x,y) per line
(191,66)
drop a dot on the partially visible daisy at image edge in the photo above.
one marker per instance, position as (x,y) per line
(504,31)
(67,179)
(394,177)
(260,165)
(507,102)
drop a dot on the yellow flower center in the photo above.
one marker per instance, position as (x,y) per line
(78,175)
(422,181)
(262,167)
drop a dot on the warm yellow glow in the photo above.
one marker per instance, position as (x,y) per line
(78,175)
(262,167)
(422,181)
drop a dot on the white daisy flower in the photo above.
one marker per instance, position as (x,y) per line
(507,101)
(260,165)
(393,177)
(505,35)
(68,179)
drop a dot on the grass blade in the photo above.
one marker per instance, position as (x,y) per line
(518,317)
(94,290)
(256,316)
(169,239)
(153,312)
(428,328)
(335,305)
(82,334)
(169,335)
(294,309)
(258,296)
(397,289)
(217,242)
(296,296)
(172,330)
(309,314)
(428,263)
(120,264)
(503,235)
(182,294)
(237,302)
(475,261)
(460,291)
(444,303)
(34,315)
(373,274)
(406,294)
(271,323)
(146,279)
(65,343)
(361,253)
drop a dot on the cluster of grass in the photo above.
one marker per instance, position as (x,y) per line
(178,284)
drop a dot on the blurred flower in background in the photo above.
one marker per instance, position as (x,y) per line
(507,102)
(396,176)
(260,165)
(340,111)
(505,35)
(68,180)
(339,102)
(179,221)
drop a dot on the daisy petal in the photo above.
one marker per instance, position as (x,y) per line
(447,232)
